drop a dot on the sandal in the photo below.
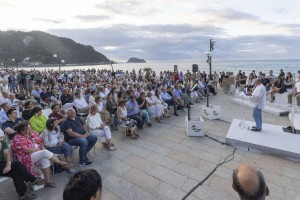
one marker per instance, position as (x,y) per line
(50,184)
(111,148)
(128,134)
(67,165)
(135,134)
(134,137)
(158,119)
(105,144)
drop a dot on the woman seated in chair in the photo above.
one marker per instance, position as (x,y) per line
(17,171)
(278,87)
(105,115)
(125,121)
(288,81)
(26,113)
(111,104)
(57,114)
(38,120)
(54,141)
(97,127)
(55,97)
(28,148)
(156,107)
(45,97)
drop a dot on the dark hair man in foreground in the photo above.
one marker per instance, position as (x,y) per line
(84,185)
(249,183)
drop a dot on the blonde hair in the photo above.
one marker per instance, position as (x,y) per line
(93,108)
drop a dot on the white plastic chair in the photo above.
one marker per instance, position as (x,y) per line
(47,112)
(3,178)
(67,106)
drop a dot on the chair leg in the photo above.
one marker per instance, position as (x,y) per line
(123,131)
(52,168)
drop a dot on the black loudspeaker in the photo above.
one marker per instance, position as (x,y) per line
(195,68)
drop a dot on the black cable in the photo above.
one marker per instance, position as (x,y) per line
(211,173)
(224,121)
(214,139)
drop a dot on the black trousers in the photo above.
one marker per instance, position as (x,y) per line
(19,174)
(139,119)
(171,102)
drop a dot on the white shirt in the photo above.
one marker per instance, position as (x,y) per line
(80,103)
(297,86)
(123,112)
(91,100)
(100,107)
(106,90)
(93,122)
(258,97)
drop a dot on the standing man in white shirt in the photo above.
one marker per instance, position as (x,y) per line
(258,98)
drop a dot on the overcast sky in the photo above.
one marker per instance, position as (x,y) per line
(165,30)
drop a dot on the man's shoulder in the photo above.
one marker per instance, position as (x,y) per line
(19,119)
(52,115)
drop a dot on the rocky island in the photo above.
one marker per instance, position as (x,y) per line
(136,60)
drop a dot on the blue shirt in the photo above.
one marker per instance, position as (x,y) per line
(177,93)
(3,116)
(36,93)
(76,126)
(165,96)
(11,124)
(129,106)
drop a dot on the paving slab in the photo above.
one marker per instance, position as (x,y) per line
(165,163)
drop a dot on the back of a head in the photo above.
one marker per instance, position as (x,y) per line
(84,185)
(249,183)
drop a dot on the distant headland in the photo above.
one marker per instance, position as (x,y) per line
(136,60)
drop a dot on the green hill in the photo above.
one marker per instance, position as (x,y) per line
(41,46)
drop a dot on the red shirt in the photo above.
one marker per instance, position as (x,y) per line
(20,143)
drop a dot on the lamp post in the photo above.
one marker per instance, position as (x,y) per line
(59,62)
(112,68)
(212,42)
(15,61)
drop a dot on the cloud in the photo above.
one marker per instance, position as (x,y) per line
(228,15)
(231,14)
(127,7)
(281,11)
(54,21)
(258,47)
(293,29)
(88,18)
(6,4)
(181,42)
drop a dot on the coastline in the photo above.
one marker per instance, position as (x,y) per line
(247,66)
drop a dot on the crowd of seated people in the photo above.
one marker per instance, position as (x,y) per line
(108,100)
(274,84)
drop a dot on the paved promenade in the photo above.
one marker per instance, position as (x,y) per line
(165,164)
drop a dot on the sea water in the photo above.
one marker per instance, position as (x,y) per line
(246,66)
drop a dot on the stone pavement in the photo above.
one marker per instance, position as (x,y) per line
(165,164)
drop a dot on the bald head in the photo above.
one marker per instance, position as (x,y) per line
(71,113)
(257,81)
(249,183)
